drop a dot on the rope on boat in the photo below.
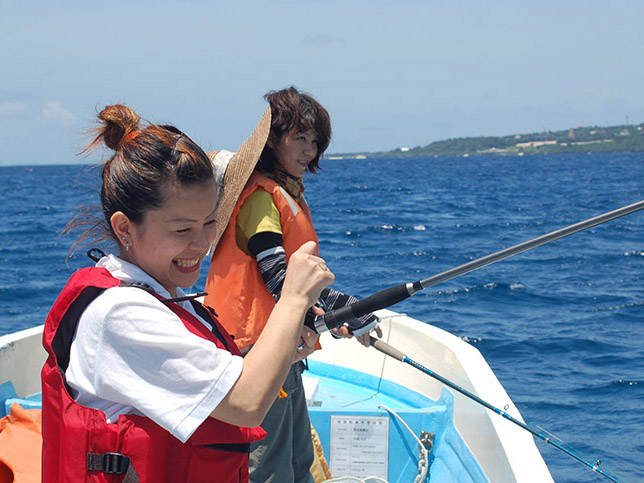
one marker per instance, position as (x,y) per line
(423,458)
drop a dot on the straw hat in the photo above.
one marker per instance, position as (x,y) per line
(232,171)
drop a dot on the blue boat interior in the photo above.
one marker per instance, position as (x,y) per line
(8,396)
(351,400)
(347,409)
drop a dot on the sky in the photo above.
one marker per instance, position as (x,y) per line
(397,73)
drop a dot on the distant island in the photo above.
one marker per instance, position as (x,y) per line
(626,138)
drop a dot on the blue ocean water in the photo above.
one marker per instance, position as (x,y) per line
(560,325)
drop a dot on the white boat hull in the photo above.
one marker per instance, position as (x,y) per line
(504,451)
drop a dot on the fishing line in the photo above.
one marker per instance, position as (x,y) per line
(398,355)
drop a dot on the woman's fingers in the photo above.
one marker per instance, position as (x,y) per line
(309,336)
(342,331)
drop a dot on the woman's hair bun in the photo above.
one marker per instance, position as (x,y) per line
(118,121)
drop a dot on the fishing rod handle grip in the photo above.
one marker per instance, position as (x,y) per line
(386,349)
(335,318)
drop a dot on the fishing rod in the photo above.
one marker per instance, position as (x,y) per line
(396,354)
(393,295)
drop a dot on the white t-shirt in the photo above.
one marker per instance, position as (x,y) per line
(132,355)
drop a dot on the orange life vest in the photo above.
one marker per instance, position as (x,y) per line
(235,286)
(20,443)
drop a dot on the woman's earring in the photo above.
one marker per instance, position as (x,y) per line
(127,244)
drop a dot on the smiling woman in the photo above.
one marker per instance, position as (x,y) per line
(166,244)
(141,379)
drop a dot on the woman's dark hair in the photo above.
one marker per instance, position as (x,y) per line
(293,112)
(148,162)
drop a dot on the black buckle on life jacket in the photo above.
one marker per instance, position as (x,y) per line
(110,463)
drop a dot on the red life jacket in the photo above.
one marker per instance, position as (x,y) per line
(80,446)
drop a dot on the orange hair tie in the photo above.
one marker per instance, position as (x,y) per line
(129,136)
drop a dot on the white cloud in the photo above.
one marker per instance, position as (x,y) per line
(55,110)
(7,108)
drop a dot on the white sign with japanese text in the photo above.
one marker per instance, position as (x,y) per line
(359,446)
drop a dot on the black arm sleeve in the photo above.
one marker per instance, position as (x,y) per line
(267,249)
(334,300)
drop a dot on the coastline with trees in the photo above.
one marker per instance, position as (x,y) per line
(624,138)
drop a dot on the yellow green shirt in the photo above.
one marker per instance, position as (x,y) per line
(258,214)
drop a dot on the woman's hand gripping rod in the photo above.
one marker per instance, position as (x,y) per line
(390,296)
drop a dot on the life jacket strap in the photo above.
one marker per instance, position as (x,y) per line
(240,448)
(113,464)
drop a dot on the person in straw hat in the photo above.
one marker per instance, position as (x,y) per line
(142,380)
(268,223)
